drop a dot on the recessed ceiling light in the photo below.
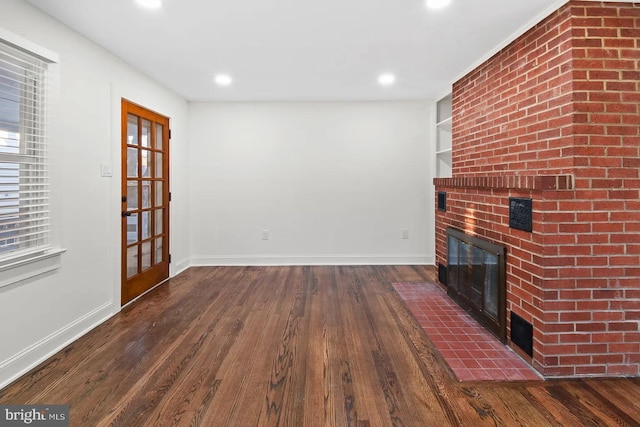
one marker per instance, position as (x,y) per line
(437,4)
(150,4)
(223,79)
(386,79)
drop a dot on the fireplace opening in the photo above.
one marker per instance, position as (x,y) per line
(476,279)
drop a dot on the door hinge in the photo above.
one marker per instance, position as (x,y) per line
(169,258)
(169,133)
(169,195)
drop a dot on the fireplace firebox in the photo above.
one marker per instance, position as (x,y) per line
(476,279)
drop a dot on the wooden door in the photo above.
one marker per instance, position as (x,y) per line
(145,200)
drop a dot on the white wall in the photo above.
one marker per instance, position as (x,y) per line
(332,182)
(40,315)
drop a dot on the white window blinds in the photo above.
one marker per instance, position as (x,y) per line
(24,176)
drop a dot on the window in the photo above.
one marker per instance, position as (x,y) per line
(24,176)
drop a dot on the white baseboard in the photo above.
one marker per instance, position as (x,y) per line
(19,364)
(180,266)
(265,260)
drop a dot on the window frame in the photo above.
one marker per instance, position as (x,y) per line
(28,262)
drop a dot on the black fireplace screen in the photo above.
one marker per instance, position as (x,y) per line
(476,279)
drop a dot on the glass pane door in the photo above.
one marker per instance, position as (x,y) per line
(145,197)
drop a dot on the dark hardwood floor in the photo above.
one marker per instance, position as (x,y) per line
(293,346)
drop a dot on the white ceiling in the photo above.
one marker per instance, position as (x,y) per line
(301,50)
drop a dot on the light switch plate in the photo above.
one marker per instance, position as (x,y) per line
(105,169)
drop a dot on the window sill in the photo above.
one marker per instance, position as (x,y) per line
(27,268)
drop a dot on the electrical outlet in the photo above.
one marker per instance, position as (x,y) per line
(265,234)
(405,233)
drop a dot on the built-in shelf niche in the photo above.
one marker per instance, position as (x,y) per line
(443,137)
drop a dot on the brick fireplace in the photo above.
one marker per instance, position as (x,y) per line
(555,117)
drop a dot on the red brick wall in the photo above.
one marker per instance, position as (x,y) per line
(593,302)
(514,113)
(562,99)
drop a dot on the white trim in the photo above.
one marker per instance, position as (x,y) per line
(29,46)
(30,267)
(506,42)
(444,94)
(115,190)
(19,364)
(280,260)
(179,266)
(430,236)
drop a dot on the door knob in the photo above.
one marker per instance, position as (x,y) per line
(126,214)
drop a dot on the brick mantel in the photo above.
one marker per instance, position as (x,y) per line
(519,182)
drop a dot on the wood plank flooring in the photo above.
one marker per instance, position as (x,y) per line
(293,346)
